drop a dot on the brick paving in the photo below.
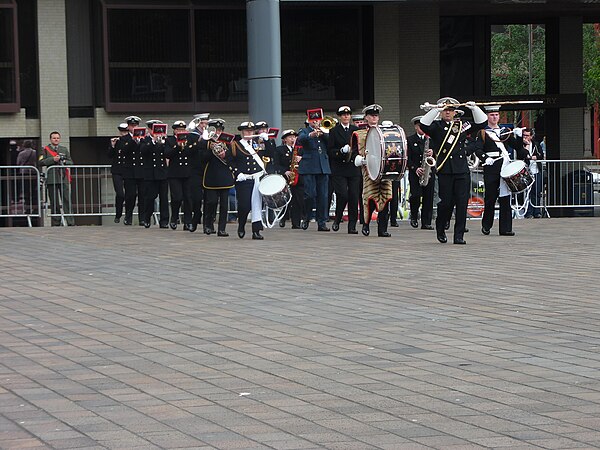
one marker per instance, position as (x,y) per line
(126,338)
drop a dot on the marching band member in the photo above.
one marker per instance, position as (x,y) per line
(152,149)
(375,194)
(345,176)
(490,149)
(116,153)
(531,154)
(447,140)
(416,153)
(315,170)
(196,128)
(178,176)
(133,175)
(217,178)
(249,167)
(266,144)
(282,165)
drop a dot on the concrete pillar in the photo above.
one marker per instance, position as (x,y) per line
(264,61)
(52,57)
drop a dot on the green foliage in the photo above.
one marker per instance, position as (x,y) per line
(510,60)
(591,64)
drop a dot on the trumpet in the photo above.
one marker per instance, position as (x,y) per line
(327,123)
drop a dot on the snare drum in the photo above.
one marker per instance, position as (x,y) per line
(517,176)
(386,153)
(275,191)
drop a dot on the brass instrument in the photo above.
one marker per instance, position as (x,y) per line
(293,180)
(429,106)
(327,123)
(427,166)
(218,149)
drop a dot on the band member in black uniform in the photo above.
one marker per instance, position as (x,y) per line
(283,165)
(116,153)
(531,153)
(178,175)
(217,179)
(266,144)
(491,149)
(420,196)
(152,149)
(345,176)
(196,193)
(133,176)
(249,167)
(447,141)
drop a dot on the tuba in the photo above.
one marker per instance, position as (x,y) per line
(427,166)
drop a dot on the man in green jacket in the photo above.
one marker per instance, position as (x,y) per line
(58,180)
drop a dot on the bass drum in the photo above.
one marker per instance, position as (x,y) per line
(386,153)
(275,191)
(517,176)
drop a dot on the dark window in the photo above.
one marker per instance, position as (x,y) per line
(8,61)
(28,57)
(325,65)
(221,55)
(149,56)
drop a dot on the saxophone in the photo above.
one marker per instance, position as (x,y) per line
(427,166)
(293,181)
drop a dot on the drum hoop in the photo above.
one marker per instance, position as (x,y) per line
(517,163)
(381,147)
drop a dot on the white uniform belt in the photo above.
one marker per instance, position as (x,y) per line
(493,154)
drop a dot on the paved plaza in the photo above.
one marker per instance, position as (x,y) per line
(126,338)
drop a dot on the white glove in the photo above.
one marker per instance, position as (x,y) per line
(264,136)
(205,135)
(489,161)
(242,177)
(518,131)
(470,105)
(345,148)
(360,161)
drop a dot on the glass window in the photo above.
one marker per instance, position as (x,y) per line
(8,66)
(149,56)
(325,65)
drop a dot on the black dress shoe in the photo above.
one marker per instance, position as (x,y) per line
(384,234)
(414,223)
(163,225)
(447,226)
(192,227)
(365,229)
(485,231)
(209,231)
(426,227)
(282,223)
(335,226)
(257,236)
(222,233)
(241,234)
(174,226)
(441,236)
(127,222)
(146,224)
(295,227)
(460,241)
(304,224)
(508,233)
(117,219)
(394,224)
(324,228)
(352,231)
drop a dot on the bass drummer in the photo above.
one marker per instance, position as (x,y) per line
(376,195)
(492,147)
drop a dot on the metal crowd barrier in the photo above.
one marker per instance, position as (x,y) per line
(20,192)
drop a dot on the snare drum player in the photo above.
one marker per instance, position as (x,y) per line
(345,176)
(376,195)
(249,167)
(447,137)
(491,149)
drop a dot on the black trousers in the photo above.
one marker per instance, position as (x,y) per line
(453,192)
(346,193)
(211,197)
(119,186)
(421,196)
(295,210)
(243,192)
(492,190)
(382,216)
(160,189)
(180,195)
(134,189)
(195,194)
(394,201)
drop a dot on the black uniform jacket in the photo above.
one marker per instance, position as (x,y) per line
(218,173)
(243,161)
(178,156)
(456,162)
(416,148)
(117,156)
(485,147)
(155,164)
(129,145)
(341,163)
